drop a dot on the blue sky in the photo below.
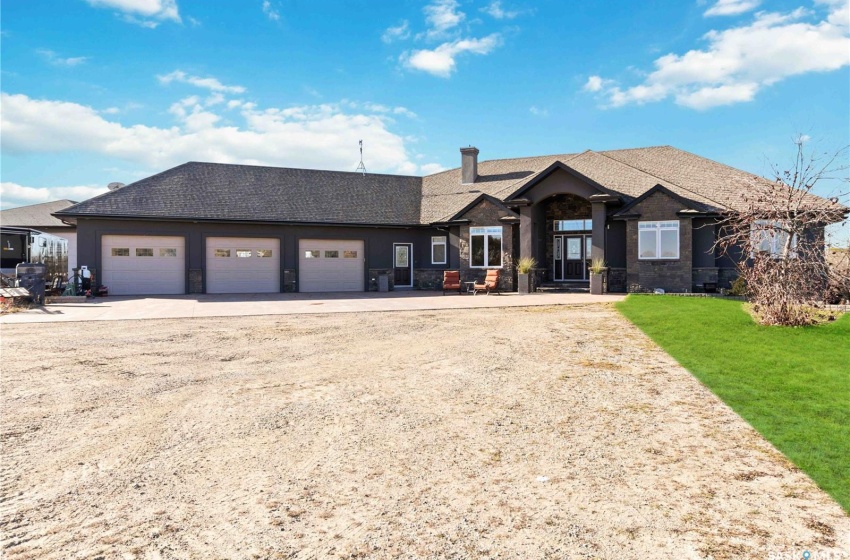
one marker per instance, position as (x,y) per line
(96,91)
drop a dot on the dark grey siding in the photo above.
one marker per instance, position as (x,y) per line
(703,243)
(615,244)
(378,241)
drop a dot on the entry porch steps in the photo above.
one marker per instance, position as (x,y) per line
(565,287)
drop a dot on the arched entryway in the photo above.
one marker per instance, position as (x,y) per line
(568,236)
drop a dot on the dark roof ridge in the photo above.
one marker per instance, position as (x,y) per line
(295,169)
(719,204)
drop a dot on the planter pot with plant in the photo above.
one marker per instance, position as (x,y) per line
(525,275)
(597,276)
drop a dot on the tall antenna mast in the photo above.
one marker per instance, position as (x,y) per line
(361,167)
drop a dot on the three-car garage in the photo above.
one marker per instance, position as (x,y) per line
(159,264)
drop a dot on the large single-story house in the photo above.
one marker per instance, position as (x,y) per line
(40,217)
(649,213)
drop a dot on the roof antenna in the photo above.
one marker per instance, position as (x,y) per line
(361,167)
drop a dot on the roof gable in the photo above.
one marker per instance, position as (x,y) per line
(629,210)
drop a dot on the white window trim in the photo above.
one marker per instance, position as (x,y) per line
(658,227)
(439,240)
(775,251)
(488,231)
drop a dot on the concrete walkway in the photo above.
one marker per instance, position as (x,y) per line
(172,307)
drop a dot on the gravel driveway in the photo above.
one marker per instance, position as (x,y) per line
(489,433)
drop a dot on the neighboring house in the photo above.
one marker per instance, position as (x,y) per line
(650,213)
(40,217)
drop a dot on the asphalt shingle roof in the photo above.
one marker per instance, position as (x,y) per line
(211,191)
(36,215)
(214,191)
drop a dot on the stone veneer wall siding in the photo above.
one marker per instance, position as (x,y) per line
(669,275)
(561,207)
(196,281)
(487,214)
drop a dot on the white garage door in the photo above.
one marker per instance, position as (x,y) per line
(243,265)
(327,265)
(143,264)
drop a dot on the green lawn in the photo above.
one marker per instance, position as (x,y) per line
(791,384)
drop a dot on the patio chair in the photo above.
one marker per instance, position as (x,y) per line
(451,281)
(491,283)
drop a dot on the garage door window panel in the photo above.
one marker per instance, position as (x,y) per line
(264,253)
(222,253)
(331,254)
(349,254)
(144,252)
(311,254)
(168,252)
(120,251)
(243,253)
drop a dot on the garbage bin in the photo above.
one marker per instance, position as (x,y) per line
(383,282)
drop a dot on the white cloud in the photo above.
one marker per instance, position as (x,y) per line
(13,194)
(147,13)
(442,16)
(314,136)
(495,10)
(731,7)
(740,61)
(441,60)
(596,83)
(431,168)
(270,11)
(211,84)
(57,60)
(398,33)
(537,112)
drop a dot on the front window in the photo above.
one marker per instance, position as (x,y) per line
(658,240)
(771,237)
(485,247)
(438,250)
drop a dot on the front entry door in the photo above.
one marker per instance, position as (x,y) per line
(572,254)
(403,265)
(573,259)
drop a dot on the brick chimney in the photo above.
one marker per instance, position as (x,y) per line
(468,165)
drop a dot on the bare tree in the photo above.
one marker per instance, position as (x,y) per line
(777,235)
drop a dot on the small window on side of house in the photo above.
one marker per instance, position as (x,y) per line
(438,249)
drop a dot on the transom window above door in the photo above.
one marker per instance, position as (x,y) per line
(573,225)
